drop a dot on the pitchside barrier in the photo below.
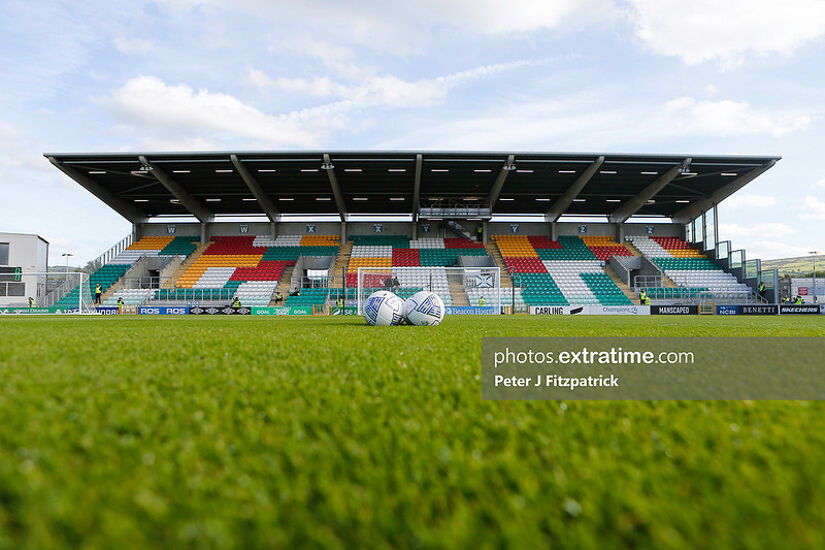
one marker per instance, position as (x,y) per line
(464,290)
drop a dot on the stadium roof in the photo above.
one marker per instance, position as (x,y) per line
(141,186)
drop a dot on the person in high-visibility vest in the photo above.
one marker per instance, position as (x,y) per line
(480,232)
(482,301)
(31,302)
(643,298)
(339,302)
(98,293)
(798,301)
(119,305)
(762,289)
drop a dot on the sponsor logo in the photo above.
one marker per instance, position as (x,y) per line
(758,310)
(623,310)
(799,310)
(674,310)
(727,310)
(556,310)
(469,310)
(24,310)
(170,310)
(107,310)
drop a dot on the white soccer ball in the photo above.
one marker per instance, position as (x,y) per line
(424,308)
(383,308)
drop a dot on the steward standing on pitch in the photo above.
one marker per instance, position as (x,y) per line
(98,292)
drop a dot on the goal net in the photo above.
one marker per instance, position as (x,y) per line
(50,292)
(476,287)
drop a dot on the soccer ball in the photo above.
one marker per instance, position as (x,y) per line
(383,308)
(424,309)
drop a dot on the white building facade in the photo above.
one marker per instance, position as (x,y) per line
(20,254)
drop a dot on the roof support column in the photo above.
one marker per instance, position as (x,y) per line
(633,204)
(620,233)
(495,191)
(336,189)
(417,186)
(693,210)
(564,201)
(191,203)
(258,192)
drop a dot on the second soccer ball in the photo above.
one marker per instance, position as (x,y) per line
(424,308)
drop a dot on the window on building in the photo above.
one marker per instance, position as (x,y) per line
(4,253)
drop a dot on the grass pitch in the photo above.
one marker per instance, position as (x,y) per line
(322,432)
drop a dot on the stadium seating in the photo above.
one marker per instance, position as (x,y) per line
(246,267)
(686,266)
(604,247)
(107,275)
(389,251)
(564,272)
(131,297)
(156,246)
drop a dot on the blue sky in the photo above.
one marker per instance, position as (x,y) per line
(642,76)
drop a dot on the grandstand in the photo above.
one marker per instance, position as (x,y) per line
(564,229)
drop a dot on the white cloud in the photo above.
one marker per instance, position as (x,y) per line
(592,119)
(403,27)
(381,90)
(771,249)
(814,209)
(726,32)
(132,45)
(765,241)
(820,183)
(174,115)
(745,200)
(760,230)
(728,117)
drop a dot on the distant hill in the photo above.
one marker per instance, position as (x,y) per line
(802,265)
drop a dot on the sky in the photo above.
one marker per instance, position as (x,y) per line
(621,76)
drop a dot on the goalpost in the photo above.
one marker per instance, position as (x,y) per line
(52,292)
(469,286)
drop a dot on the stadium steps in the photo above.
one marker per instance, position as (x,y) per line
(492,250)
(118,285)
(283,284)
(457,293)
(666,282)
(341,265)
(173,282)
(622,286)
